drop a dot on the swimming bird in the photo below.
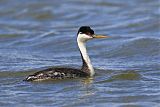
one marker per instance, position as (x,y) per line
(84,34)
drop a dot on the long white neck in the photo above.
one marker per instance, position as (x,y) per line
(84,54)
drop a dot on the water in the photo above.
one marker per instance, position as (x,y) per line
(38,34)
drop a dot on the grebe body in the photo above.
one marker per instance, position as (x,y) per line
(84,34)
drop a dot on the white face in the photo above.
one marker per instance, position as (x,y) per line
(83,37)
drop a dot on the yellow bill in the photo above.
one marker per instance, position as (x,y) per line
(100,36)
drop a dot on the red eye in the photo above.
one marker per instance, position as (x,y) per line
(89,34)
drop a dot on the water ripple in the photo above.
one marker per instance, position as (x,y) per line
(35,35)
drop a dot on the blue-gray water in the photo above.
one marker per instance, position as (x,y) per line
(36,34)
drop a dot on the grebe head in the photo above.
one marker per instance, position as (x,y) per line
(85,33)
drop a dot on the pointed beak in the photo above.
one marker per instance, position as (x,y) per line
(100,36)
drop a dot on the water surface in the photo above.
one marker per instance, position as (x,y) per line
(36,34)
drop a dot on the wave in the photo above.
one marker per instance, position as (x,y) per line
(136,46)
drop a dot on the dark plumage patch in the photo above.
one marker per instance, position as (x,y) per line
(86,30)
(56,73)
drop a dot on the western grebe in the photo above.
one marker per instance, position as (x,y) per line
(84,34)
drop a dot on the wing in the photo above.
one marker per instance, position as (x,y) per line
(56,73)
